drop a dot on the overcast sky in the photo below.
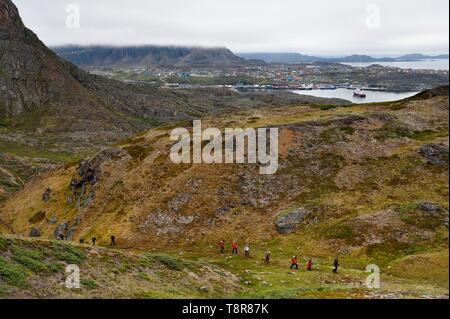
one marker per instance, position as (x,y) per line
(322,27)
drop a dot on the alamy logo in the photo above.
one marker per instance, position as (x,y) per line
(373,280)
(241,146)
(73,16)
(73,277)
(373,16)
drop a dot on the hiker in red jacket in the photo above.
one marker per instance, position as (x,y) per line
(309,265)
(294,262)
(234,247)
(222,246)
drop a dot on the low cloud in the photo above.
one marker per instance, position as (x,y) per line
(313,27)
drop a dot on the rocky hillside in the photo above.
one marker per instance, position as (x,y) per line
(369,182)
(335,163)
(46,94)
(150,56)
(52,112)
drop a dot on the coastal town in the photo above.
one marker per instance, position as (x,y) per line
(324,76)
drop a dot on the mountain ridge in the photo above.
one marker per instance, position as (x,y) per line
(293,58)
(149,56)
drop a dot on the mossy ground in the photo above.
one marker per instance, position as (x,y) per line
(37,269)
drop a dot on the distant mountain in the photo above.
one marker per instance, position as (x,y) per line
(419,56)
(359,58)
(292,58)
(155,56)
(287,58)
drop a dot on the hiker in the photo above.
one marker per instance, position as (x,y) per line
(81,241)
(222,246)
(46,195)
(94,240)
(294,262)
(247,251)
(309,265)
(267,257)
(336,265)
(234,247)
(113,240)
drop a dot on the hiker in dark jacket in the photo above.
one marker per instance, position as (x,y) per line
(82,241)
(94,240)
(336,265)
(113,240)
(267,257)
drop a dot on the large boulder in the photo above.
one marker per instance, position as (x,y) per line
(436,154)
(288,223)
(34,232)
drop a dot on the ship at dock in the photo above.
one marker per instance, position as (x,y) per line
(359,93)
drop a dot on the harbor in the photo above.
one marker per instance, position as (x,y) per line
(375,96)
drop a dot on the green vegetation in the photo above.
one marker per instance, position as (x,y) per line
(88,283)
(139,152)
(69,254)
(3,291)
(34,266)
(144,276)
(31,259)
(3,245)
(388,251)
(14,275)
(168,261)
(18,149)
(396,129)
(341,231)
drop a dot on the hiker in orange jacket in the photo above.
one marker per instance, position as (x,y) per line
(234,247)
(309,265)
(222,246)
(294,262)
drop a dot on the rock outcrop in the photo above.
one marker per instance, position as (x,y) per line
(436,154)
(88,174)
(34,232)
(288,223)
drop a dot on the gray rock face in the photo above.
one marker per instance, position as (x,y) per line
(429,208)
(89,173)
(288,224)
(61,230)
(433,210)
(436,154)
(34,232)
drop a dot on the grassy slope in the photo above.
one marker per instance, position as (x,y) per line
(36,269)
(361,181)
